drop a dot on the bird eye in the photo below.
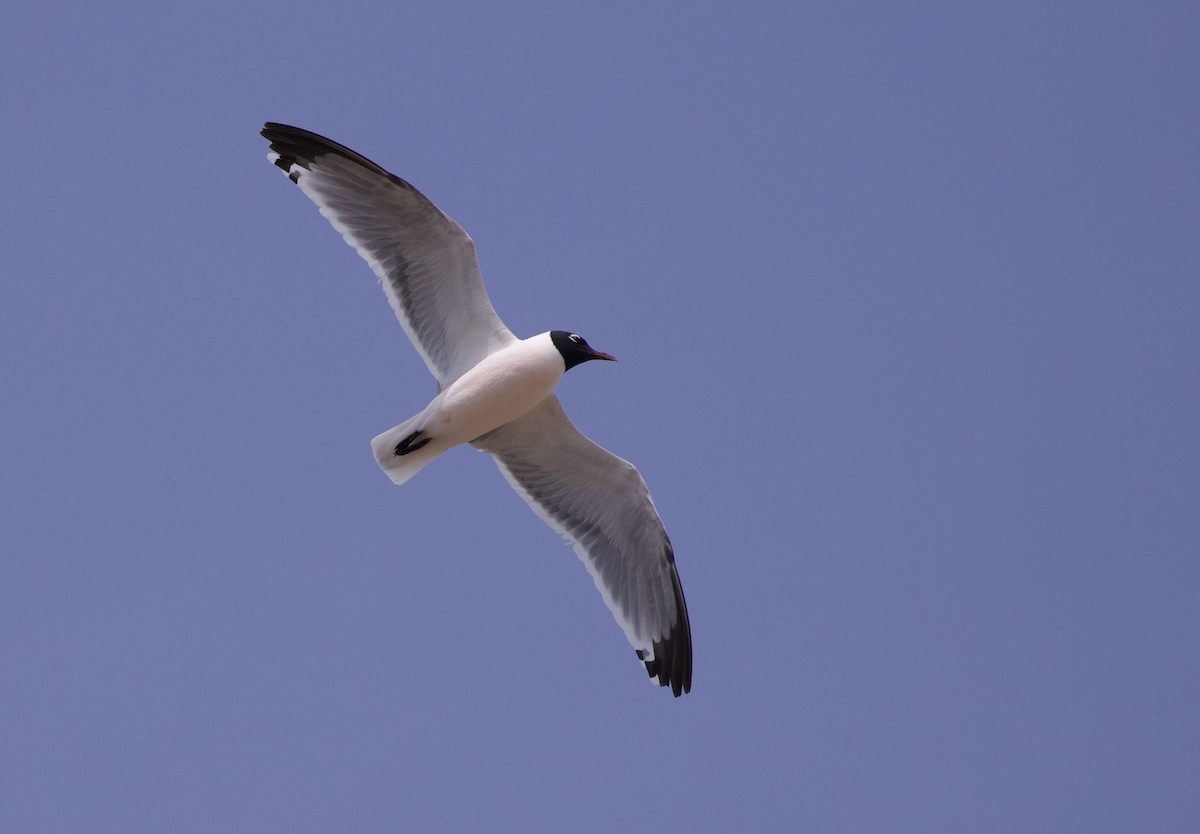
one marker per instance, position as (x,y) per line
(576,339)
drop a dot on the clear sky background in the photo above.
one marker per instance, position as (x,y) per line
(906,300)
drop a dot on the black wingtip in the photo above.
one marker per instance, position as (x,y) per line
(672,661)
(295,145)
(295,148)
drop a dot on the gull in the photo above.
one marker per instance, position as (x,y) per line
(496,392)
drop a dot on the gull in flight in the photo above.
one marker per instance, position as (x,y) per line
(496,392)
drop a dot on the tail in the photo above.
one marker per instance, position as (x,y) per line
(414,450)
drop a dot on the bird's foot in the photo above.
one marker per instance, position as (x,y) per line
(410,444)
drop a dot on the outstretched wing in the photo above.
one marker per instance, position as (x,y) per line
(424,260)
(600,503)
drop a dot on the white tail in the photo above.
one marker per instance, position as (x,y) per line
(402,467)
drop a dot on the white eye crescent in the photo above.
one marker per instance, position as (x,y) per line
(576,339)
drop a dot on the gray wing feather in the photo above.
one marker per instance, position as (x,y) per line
(600,503)
(424,260)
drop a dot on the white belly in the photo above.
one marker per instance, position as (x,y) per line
(501,388)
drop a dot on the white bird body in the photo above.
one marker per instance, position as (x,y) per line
(503,386)
(496,392)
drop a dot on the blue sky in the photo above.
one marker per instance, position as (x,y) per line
(906,302)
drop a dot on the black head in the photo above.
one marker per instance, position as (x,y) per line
(575,349)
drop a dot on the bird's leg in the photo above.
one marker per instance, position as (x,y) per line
(411,444)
